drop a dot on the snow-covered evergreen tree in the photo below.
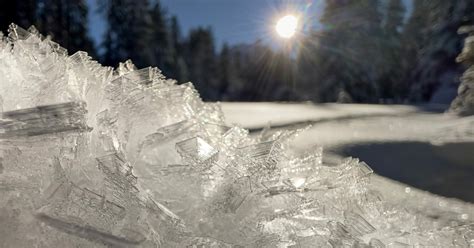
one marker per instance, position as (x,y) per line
(464,102)
(436,66)
(335,59)
(391,71)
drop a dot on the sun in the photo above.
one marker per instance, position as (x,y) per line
(286,26)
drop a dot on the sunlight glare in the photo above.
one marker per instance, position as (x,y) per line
(286,26)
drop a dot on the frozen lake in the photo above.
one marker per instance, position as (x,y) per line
(418,146)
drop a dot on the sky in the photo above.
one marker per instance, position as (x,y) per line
(232,21)
(236,21)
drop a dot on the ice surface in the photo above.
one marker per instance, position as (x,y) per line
(96,157)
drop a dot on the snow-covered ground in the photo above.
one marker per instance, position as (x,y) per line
(256,115)
(334,125)
(416,147)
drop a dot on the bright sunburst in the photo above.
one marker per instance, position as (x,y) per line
(286,27)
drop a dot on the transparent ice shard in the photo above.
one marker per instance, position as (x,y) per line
(215,131)
(120,182)
(298,172)
(348,174)
(164,213)
(158,150)
(375,243)
(85,67)
(264,155)
(356,224)
(197,152)
(207,242)
(107,133)
(175,129)
(364,169)
(82,212)
(397,244)
(340,236)
(125,67)
(44,119)
(143,76)
(17,33)
(231,196)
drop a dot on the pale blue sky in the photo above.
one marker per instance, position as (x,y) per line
(233,21)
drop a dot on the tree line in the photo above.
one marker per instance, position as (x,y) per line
(366,51)
(374,50)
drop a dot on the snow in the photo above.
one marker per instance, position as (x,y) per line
(338,124)
(257,115)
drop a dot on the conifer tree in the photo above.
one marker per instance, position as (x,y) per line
(22,13)
(337,59)
(128,32)
(159,40)
(178,67)
(392,71)
(436,66)
(66,22)
(394,18)
(226,71)
(201,61)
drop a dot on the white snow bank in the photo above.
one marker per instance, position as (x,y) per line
(257,115)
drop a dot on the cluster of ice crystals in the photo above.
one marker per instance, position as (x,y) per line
(95,157)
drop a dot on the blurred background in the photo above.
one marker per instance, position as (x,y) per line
(395,60)
(365,51)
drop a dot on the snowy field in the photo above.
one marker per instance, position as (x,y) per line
(410,147)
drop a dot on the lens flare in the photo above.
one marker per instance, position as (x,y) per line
(286,27)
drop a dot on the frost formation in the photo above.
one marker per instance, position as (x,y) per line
(96,157)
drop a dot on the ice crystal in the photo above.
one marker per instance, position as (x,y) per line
(96,157)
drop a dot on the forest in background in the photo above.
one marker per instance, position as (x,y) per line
(368,51)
